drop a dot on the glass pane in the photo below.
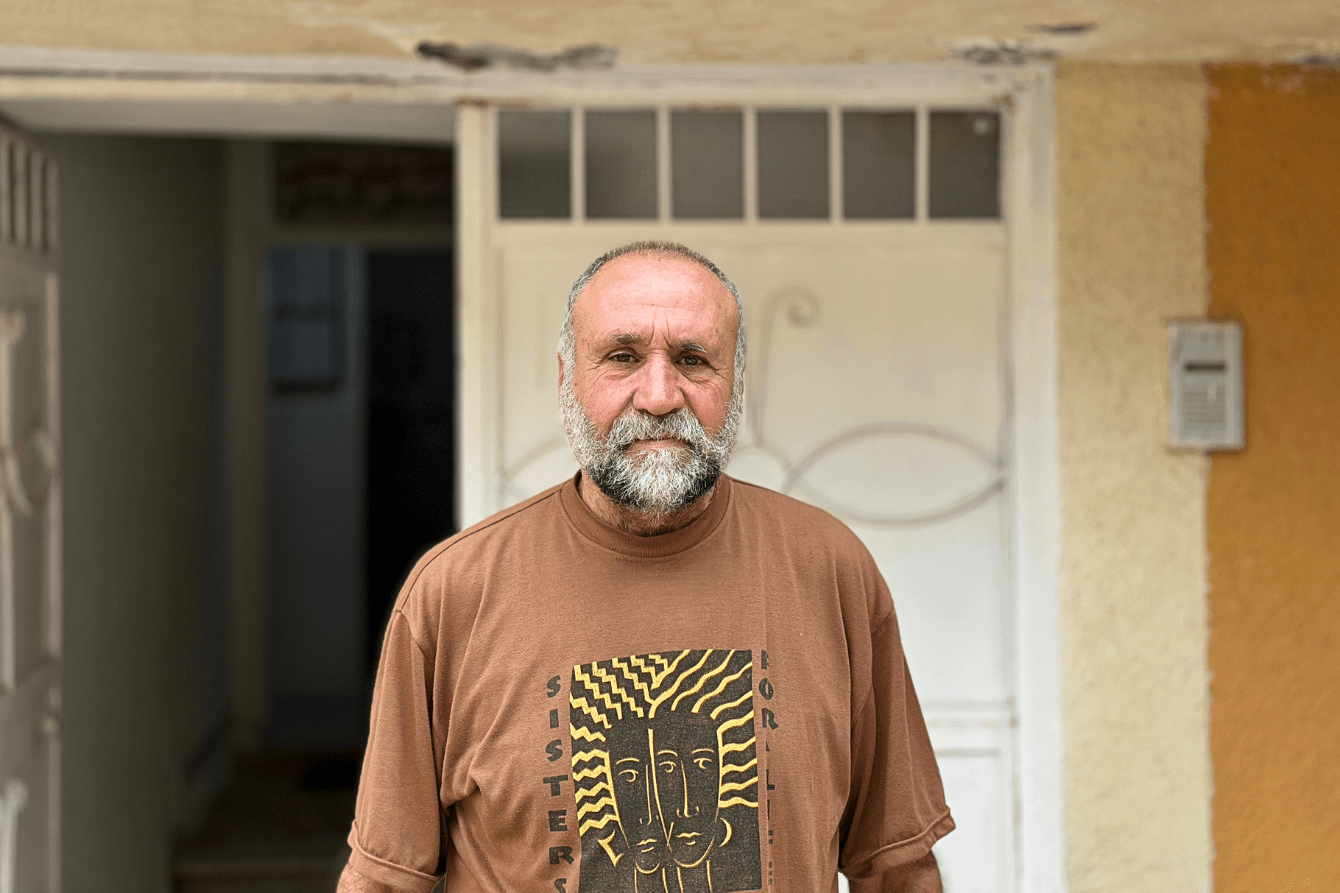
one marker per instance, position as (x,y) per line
(878,165)
(621,164)
(534,167)
(965,164)
(793,164)
(707,164)
(307,286)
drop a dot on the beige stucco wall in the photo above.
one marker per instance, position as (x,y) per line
(693,31)
(1131,224)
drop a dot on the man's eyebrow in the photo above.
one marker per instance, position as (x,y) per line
(632,338)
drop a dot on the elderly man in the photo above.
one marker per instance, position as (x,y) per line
(652,677)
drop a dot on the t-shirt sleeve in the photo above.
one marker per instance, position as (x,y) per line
(398,837)
(896,809)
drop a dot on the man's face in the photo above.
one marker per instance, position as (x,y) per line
(649,403)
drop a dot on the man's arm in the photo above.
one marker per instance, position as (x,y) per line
(921,876)
(896,809)
(353,882)
(397,836)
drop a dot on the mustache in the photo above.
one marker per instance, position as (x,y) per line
(637,424)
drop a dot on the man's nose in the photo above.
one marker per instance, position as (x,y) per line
(658,387)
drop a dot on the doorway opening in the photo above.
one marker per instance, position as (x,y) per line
(360,468)
(350,247)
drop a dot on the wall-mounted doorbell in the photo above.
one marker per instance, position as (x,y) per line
(1205,384)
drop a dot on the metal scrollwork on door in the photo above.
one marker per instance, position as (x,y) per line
(12,800)
(800,308)
(31,569)
(33,440)
(19,496)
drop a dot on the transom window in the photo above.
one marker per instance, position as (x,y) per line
(833,164)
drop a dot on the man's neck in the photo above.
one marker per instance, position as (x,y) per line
(639,523)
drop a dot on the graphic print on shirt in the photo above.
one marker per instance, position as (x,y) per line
(665,769)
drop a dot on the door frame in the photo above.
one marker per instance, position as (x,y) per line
(1026,94)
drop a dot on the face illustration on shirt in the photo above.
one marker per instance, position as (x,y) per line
(632,769)
(665,772)
(687,784)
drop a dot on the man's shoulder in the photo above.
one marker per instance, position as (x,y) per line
(448,580)
(528,511)
(810,542)
(524,518)
(768,508)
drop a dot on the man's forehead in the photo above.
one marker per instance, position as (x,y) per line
(642,284)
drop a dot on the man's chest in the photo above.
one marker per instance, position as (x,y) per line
(656,738)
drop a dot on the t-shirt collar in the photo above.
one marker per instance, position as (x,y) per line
(659,546)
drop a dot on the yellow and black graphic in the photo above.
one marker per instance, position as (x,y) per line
(666,773)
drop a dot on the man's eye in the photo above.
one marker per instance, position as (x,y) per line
(703,762)
(668,767)
(622,358)
(628,776)
(691,360)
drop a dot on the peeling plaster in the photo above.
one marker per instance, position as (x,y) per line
(1066,28)
(486,55)
(1003,52)
(1320,60)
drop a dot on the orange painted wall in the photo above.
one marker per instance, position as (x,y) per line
(1273,249)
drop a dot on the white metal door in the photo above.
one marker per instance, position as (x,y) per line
(30,521)
(879,385)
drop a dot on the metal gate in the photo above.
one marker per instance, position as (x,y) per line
(30,520)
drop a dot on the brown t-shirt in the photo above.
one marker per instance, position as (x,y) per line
(561,706)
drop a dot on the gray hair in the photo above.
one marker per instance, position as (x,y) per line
(567,344)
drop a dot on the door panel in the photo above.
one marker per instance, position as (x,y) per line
(875,390)
(533,450)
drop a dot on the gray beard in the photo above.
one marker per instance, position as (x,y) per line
(657,482)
